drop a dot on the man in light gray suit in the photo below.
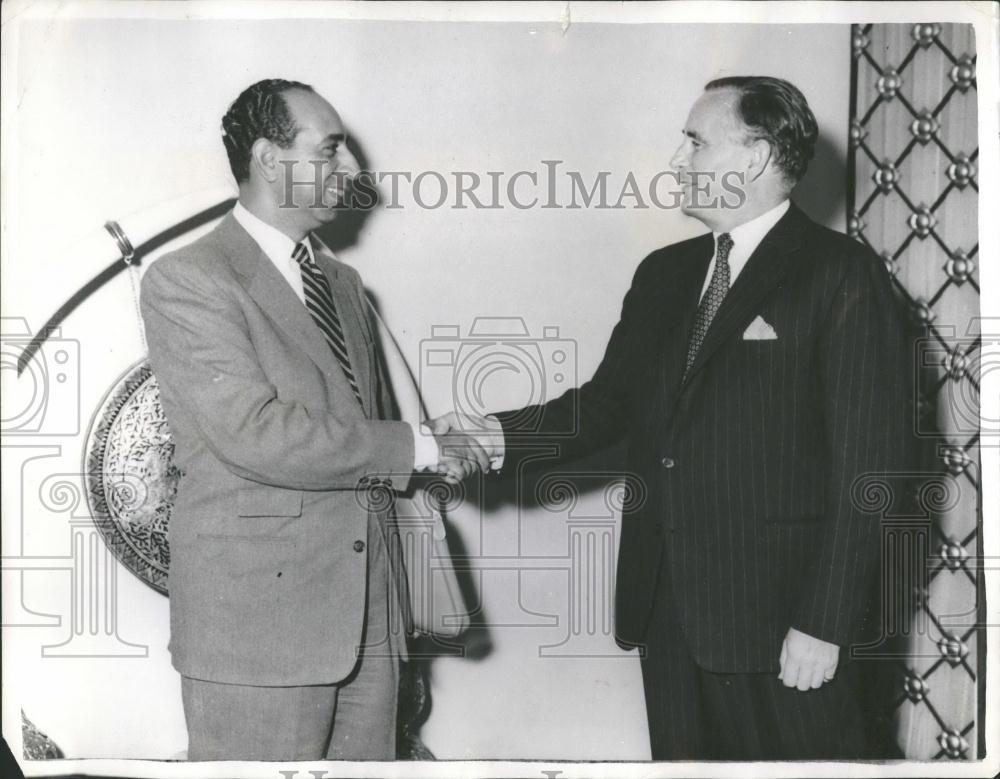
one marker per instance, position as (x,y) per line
(281,584)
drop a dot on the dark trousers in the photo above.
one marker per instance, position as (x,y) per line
(695,714)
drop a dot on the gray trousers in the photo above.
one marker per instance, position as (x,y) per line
(354,719)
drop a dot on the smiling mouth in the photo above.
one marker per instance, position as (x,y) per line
(337,194)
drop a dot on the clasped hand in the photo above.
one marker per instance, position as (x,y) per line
(466,444)
(807,662)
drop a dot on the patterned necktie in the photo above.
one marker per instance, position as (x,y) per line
(709,306)
(319,301)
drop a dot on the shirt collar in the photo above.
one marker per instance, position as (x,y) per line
(274,243)
(748,235)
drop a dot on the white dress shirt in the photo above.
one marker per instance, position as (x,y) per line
(746,238)
(278,248)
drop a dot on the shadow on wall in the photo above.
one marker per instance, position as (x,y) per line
(344,232)
(821,192)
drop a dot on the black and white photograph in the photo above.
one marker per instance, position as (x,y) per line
(500,389)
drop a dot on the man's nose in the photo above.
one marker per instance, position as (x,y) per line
(680,159)
(347,163)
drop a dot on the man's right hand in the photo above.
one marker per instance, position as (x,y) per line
(461,455)
(486,431)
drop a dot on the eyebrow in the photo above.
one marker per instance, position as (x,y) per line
(694,135)
(334,138)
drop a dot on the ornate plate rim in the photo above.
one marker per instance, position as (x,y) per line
(121,390)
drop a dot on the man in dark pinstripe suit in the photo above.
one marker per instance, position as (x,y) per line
(757,373)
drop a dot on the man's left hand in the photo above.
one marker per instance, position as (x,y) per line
(807,662)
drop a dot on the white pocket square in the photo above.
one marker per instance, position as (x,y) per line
(759,330)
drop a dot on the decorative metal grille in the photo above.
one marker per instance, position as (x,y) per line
(914,199)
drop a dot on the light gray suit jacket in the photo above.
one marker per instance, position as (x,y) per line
(268,565)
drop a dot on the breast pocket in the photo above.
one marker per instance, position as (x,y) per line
(767,359)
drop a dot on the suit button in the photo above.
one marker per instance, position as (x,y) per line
(667,462)
(359,546)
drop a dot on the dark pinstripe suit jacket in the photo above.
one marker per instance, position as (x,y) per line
(749,462)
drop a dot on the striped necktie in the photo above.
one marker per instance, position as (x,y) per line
(709,306)
(319,301)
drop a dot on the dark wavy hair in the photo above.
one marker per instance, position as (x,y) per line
(775,111)
(259,112)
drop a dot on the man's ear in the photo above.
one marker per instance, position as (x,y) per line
(760,159)
(263,158)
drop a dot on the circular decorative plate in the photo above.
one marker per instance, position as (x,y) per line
(130,475)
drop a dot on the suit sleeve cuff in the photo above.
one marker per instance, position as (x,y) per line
(425,448)
(499,445)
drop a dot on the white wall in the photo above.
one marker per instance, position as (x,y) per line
(116,117)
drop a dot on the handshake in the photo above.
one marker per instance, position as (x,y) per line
(466,444)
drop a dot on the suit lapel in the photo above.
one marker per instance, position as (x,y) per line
(681,301)
(764,271)
(278,301)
